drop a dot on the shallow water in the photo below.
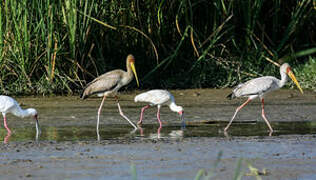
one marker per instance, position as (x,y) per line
(201,129)
(206,114)
(68,148)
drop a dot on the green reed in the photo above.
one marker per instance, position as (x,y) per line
(58,46)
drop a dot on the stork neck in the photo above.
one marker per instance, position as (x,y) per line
(129,69)
(174,107)
(22,112)
(283,80)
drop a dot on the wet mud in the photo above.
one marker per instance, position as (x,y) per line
(68,148)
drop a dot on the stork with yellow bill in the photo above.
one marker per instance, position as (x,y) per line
(259,87)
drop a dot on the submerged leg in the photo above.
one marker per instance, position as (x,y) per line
(141,131)
(264,117)
(5,124)
(98,121)
(238,109)
(158,117)
(158,132)
(122,114)
(7,137)
(141,114)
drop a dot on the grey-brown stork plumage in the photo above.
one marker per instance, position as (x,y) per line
(258,87)
(109,83)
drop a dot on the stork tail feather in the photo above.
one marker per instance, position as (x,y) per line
(83,95)
(230,96)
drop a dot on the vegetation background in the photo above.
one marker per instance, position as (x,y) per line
(57,46)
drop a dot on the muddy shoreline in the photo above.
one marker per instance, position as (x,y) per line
(67,148)
(283,157)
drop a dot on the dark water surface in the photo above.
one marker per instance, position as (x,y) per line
(201,129)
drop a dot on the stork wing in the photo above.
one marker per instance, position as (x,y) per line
(154,97)
(256,86)
(103,83)
(6,103)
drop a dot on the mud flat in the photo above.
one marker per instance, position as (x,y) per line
(67,148)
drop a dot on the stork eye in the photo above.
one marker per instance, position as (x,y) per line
(131,60)
(288,69)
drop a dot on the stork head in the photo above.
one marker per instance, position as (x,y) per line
(286,69)
(32,112)
(181,118)
(131,63)
(180,111)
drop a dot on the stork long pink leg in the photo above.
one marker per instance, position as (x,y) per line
(158,116)
(141,131)
(264,116)
(141,114)
(7,137)
(238,109)
(99,112)
(158,132)
(5,124)
(122,114)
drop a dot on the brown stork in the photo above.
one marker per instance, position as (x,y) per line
(109,83)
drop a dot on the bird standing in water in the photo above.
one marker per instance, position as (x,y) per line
(158,98)
(259,87)
(9,105)
(109,83)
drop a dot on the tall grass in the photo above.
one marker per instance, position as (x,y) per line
(307,74)
(56,47)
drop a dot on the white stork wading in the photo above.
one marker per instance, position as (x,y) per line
(158,98)
(9,105)
(259,87)
(109,83)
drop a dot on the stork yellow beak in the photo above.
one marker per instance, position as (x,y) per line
(291,75)
(134,71)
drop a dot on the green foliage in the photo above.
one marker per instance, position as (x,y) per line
(306,74)
(58,46)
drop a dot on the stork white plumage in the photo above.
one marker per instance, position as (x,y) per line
(158,98)
(259,87)
(9,105)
